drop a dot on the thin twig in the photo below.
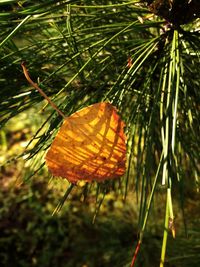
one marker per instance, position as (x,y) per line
(26,74)
(136,253)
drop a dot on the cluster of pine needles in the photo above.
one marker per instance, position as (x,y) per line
(125,53)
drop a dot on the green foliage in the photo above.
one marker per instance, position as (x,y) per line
(31,236)
(79,50)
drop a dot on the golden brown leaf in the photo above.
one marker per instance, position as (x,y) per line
(90,145)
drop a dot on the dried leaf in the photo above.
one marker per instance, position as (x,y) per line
(90,145)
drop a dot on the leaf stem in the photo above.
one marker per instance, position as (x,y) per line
(26,74)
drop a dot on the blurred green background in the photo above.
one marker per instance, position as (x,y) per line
(31,236)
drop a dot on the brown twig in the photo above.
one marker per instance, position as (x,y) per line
(26,74)
(136,253)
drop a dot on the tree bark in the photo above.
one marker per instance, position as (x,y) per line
(176,12)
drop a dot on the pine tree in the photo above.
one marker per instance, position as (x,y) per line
(143,57)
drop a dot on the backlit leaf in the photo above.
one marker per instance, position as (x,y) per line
(90,145)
